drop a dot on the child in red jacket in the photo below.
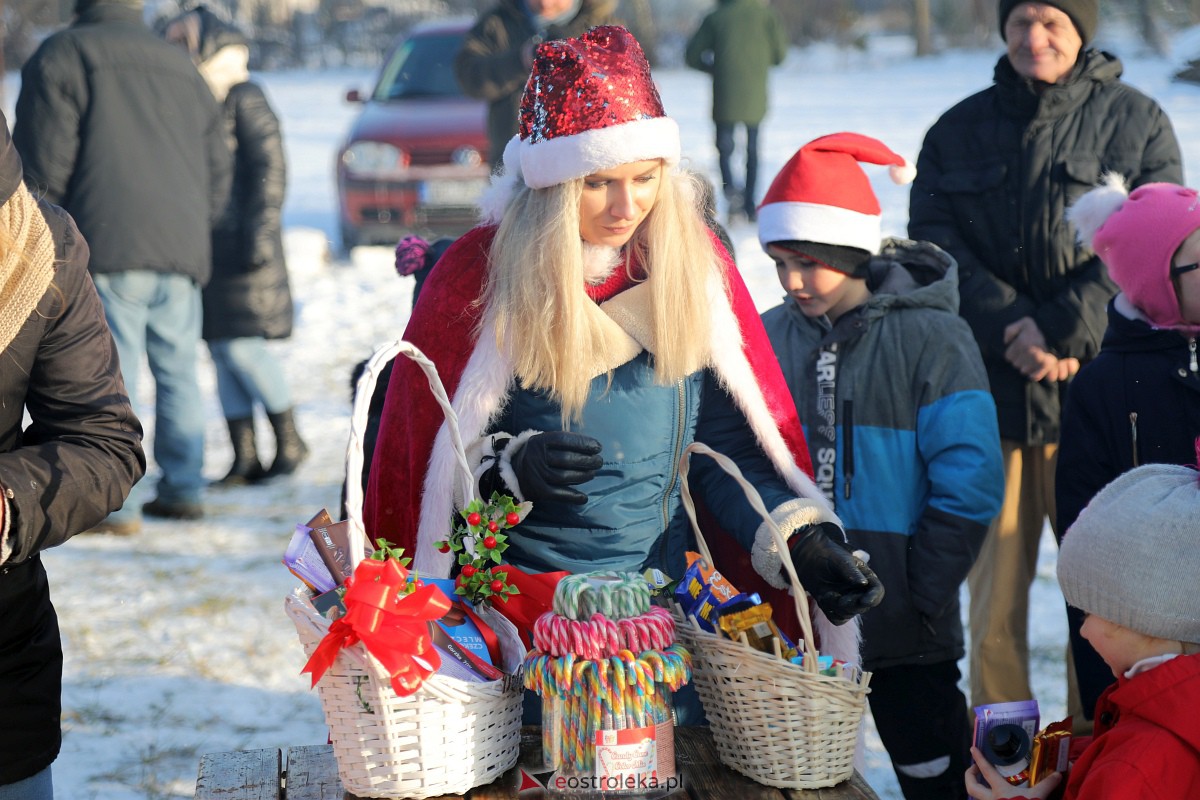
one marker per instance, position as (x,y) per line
(1130,563)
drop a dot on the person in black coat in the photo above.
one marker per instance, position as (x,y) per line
(995,176)
(248,300)
(74,462)
(1138,402)
(117,127)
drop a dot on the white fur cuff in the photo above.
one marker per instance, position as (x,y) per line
(506,470)
(765,555)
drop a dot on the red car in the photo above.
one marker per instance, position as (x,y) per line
(416,158)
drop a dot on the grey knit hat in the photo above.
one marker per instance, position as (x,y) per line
(1133,555)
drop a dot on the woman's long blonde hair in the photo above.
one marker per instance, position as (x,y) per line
(535,289)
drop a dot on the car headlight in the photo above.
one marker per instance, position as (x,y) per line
(466,156)
(372,158)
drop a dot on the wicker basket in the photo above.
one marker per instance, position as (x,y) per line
(780,723)
(450,735)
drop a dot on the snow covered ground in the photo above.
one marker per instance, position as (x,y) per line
(176,641)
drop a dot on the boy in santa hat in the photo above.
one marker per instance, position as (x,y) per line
(586,334)
(894,401)
(1138,401)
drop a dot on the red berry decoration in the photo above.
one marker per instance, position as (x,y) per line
(468,571)
(493,526)
(512,518)
(444,547)
(497,586)
(474,519)
(489,542)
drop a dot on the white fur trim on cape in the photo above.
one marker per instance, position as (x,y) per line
(549,162)
(812,222)
(507,474)
(1089,213)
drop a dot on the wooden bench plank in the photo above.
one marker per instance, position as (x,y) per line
(244,775)
(311,774)
(706,777)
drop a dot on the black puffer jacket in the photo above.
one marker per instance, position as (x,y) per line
(490,64)
(117,127)
(994,178)
(249,294)
(74,463)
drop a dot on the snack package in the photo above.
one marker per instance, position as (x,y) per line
(1004,734)
(1050,750)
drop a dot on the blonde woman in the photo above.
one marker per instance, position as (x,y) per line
(589,331)
(62,472)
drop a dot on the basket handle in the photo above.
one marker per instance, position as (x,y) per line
(354,451)
(755,500)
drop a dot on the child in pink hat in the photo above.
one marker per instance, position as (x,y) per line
(1138,401)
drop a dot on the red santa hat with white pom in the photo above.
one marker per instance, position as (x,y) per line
(822,194)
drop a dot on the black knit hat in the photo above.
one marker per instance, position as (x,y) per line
(1084,13)
(852,261)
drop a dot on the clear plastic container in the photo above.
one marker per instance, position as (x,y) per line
(596,753)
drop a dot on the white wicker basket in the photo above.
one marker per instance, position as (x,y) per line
(450,735)
(779,723)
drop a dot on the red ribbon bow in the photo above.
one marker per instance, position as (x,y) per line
(393,626)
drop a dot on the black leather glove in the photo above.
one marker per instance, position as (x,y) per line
(550,463)
(841,582)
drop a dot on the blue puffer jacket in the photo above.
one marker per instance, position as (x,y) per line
(918,475)
(634,498)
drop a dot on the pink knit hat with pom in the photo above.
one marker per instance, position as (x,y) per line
(1136,235)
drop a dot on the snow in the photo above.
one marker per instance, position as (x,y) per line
(176,641)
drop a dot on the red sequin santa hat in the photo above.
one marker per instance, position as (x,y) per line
(589,105)
(822,195)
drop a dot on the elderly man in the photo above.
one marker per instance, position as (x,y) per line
(994,177)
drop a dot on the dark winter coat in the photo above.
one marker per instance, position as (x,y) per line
(491,64)
(918,475)
(1137,403)
(737,44)
(249,294)
(994,178)
(117,127)
(74,463)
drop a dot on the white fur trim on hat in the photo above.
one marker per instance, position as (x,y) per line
(812,222)
(1092,210)
(549,162)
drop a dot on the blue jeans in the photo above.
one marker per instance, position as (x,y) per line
(157,315)
(248,374)
(725,147)
(35,787)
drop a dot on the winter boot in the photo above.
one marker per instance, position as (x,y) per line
(246,467)
(290,449)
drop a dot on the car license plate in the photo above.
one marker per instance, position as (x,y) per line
(452,193)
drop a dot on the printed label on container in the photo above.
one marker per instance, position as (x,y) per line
(624,756)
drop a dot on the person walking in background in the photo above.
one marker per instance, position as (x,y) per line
(248,299)
(995,176)
(737,44)
(117,126)
(894,401)
(1138,402)
(1129,562)
(74,461)
(496,55)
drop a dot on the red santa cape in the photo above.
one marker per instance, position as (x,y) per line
(410,494)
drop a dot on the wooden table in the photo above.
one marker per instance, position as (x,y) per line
(310,773)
